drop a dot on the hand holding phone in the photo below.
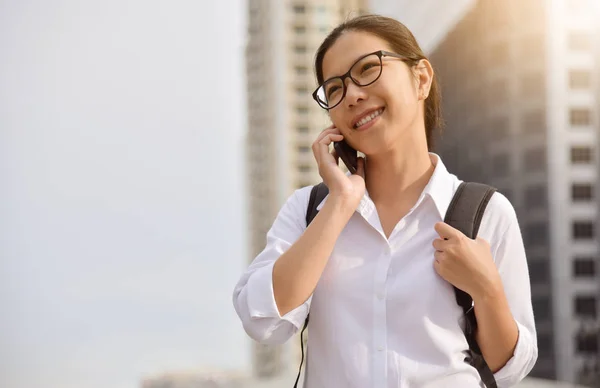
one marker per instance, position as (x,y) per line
(351,188)
(348,155)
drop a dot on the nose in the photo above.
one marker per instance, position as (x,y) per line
(354,93)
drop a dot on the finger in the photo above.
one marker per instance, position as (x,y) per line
(360,167)
(321,148)
(327,131)
(439,256)
(325,141)
(330,138)
(446,231)
(439,244)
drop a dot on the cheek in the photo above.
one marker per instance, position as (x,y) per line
(339,119)
(401,89)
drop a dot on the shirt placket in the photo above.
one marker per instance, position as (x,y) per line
(380,319)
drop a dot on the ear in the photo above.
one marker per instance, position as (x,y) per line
(424,73)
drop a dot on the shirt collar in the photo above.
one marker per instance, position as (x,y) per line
(441,186)
(440,189)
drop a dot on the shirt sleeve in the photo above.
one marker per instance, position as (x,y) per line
(512,265)
(253,297)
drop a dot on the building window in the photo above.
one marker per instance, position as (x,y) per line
(580,116)
(299,9)
(583,230)
(302,129)
(498,128)
(300,49)
(299,30)
(537,233)
(501,165)
(582,192)
(584,267)
(581,155)
(542,308)
(303,149)
(302,91)
(535,159)
(539,272)
(587,342)
(579,41)
(534,121)
(302,110)
(497,93)
(301,70)
(536,197)
(545,344)
(304,168)
(580,79)
(303,183)
(585,306)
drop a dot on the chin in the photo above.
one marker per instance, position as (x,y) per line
(373,143)
(370,148)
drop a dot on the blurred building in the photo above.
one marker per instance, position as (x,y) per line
(521,103)
(283,121)
(429,20)
(224,379)
(197,379)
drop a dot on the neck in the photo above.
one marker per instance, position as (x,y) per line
(402,171)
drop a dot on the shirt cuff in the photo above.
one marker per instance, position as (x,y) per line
(261,299)
(518,366)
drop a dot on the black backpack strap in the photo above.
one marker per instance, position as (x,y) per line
(317,195)
(465,213)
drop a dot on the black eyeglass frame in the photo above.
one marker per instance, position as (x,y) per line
(379,53)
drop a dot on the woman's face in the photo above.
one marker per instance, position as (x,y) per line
(395,98)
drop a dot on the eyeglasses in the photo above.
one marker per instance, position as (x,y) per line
(366,70)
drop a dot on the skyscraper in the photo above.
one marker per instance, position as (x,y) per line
(520,85)
(283,121)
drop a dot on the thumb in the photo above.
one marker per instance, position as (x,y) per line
(482,241)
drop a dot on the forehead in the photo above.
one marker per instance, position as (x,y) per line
(350,46)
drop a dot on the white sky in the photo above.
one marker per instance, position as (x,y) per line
(122,225)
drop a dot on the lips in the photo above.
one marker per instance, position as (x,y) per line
(366,117)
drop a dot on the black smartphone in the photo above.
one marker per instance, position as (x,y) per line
(348,155)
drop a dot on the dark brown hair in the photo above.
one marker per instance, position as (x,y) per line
(401,41)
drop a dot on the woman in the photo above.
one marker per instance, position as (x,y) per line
(377,265)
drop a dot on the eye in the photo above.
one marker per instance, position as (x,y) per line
(332,90)
(368,66)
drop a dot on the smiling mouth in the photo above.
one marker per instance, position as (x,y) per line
(368,118)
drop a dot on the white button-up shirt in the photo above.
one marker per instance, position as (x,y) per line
(380,315)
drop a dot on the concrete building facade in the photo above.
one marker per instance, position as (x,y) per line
(283,121)
(520,99)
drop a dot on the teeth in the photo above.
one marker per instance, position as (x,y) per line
(368,118)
